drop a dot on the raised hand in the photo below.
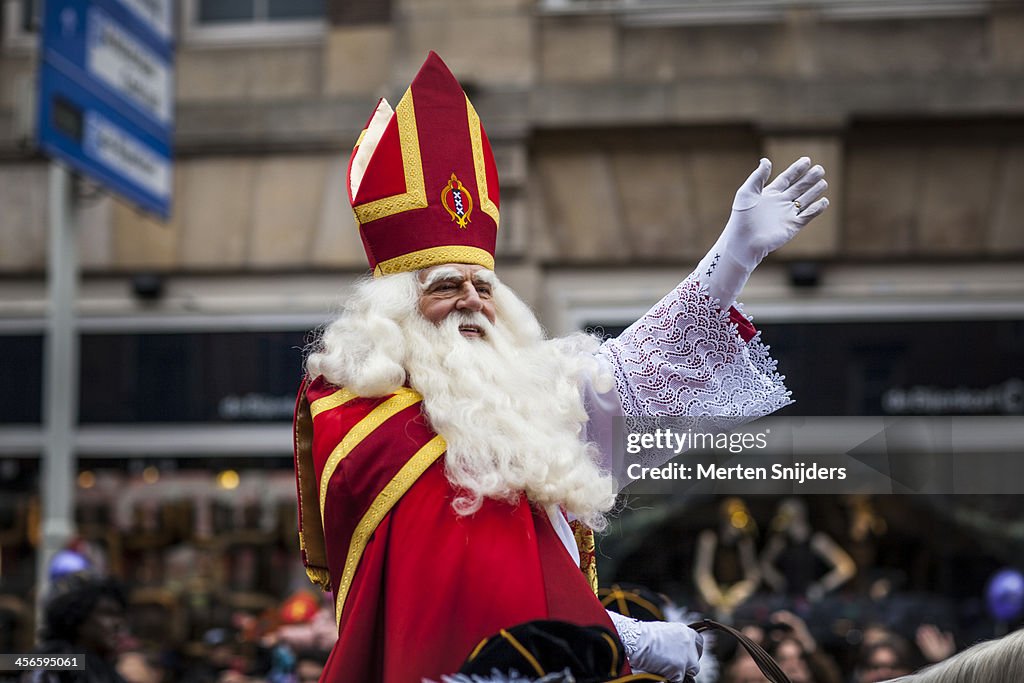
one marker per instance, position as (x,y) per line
(935,644)
(764,217)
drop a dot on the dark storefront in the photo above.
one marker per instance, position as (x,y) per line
(150,510)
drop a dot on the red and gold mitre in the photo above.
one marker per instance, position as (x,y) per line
(422,179)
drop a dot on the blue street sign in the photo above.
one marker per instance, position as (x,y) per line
(106,95)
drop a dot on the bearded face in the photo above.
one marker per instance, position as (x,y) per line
(506,400)
(461,290)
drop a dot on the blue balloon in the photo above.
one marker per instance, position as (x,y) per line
(66,562)
(1005,594)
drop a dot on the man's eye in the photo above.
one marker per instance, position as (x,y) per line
(483,290)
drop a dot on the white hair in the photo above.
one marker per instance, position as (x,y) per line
(364,348)
(509,406)
(992,661)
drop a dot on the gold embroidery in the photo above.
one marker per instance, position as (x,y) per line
(523,651)
(476,139)
(455,185)
(402,399)
(385,500)
(339,397)
(359,140)
(584,536)
(434,256)
(415,195)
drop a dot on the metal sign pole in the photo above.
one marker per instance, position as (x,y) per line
(60,370)
(106,110)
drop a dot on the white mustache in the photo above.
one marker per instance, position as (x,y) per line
(457,319)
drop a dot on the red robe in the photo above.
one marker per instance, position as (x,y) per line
(418,585)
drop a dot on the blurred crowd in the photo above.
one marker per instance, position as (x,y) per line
(868,652)
(90,614)
(880,656)
(794,598)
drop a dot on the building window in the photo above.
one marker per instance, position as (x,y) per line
(21,20)
(29,15)
(715,12)
(231,21)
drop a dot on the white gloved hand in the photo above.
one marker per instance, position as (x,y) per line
(764,217)
(665,648)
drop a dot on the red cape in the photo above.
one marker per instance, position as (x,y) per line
(419,586)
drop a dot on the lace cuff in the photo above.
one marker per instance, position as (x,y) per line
(685,358)
(628,630)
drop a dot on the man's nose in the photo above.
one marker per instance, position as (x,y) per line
(470,299)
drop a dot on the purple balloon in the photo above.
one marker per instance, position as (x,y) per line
(1005,594)
(66,562)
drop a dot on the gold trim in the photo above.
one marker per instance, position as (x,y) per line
(648,605)
(619,596)
(415,195)
(615,654)
(359,140)
(434,256)
(380,507)
(620,600)
(476,650)
(402,399)
(476,140)
(311,535)
(524,652)
(339,397)
(319,576)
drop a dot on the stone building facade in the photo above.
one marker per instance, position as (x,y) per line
(621,129)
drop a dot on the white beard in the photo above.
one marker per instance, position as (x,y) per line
(508,405)
(511,413)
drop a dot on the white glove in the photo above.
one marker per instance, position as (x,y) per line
(665,648)
(763,219)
